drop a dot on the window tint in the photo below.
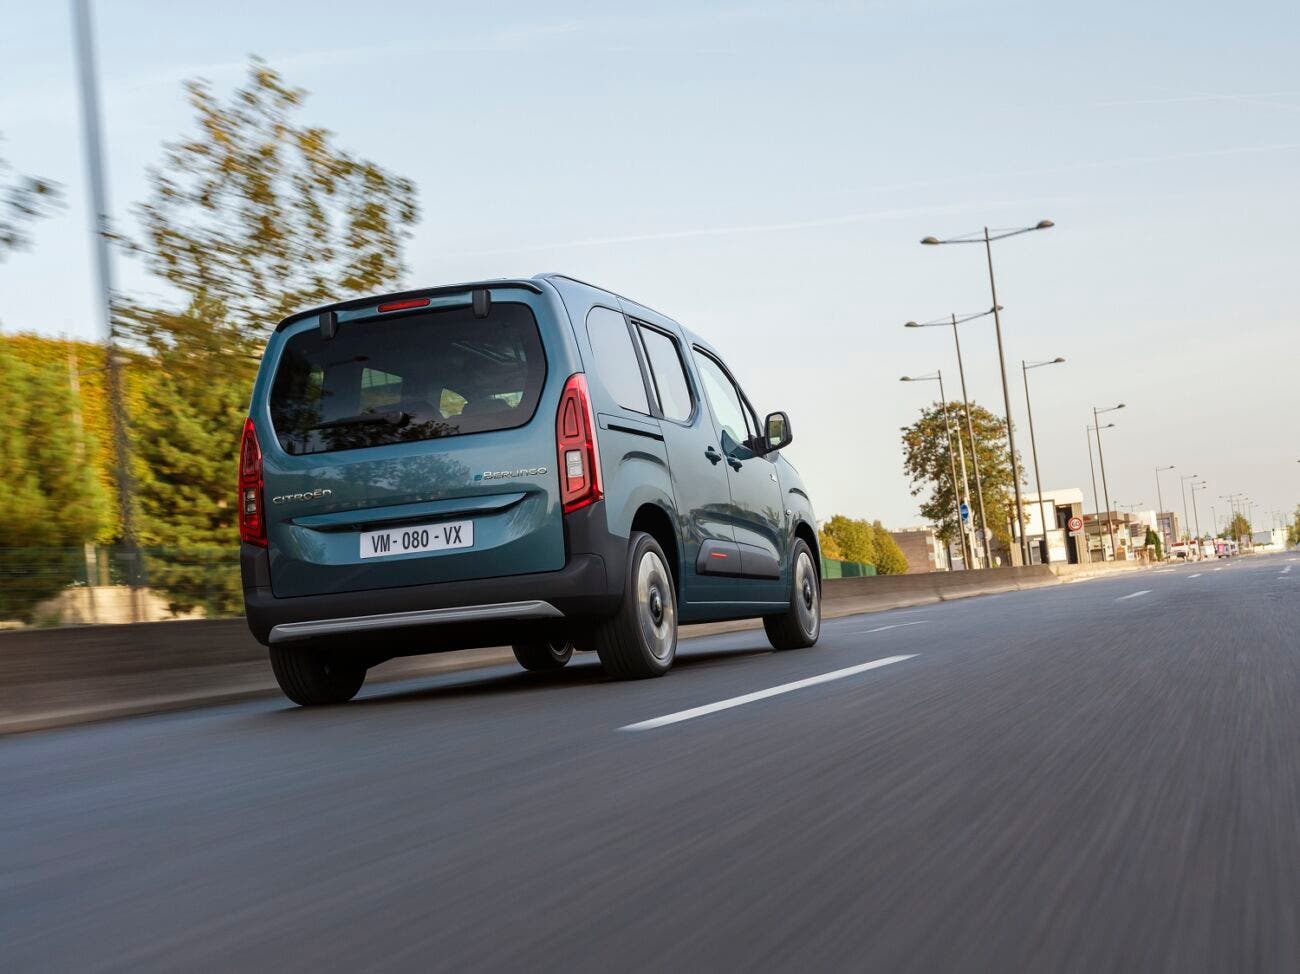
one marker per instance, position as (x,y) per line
(727,406)
(418,377)
(616,362)
(669,374)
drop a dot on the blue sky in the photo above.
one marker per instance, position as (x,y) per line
(763,172)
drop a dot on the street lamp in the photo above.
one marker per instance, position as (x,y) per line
(956,492)
(1196,513)
(1183,487)
(1033,445)
(1101,461)
(953,321)
(1096,502)
(987,239)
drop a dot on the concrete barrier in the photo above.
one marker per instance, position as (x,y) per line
(53,677)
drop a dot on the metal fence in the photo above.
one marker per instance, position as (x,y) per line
(845,569)
(59,586)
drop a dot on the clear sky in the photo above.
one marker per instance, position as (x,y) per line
(762,171)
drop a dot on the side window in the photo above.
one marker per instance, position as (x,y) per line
(669,374)
(611,343)
(727,405)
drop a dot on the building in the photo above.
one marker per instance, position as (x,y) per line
(1169,528)
(1059,506)
(924,550)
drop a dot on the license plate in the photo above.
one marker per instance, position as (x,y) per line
(416,538)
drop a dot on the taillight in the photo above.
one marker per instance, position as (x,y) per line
(252,520)
(575,442)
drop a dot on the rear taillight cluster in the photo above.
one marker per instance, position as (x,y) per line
(252,518)
(575,440)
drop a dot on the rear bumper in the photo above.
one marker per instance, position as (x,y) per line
(446,615)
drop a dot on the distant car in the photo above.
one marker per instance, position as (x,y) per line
(535,462)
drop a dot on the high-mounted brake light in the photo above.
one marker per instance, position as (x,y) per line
(575,444)
(404,305)
(252,519)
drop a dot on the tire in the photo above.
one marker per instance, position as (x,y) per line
(640,640)
(550,654)
(800,625)
(312,678)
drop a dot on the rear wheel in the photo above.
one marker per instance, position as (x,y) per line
(800,625)
(640,640)
(311,678)
(550,654)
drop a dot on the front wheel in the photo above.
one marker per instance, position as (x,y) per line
(640,640)
(549,654)
(800,625)
(311,678)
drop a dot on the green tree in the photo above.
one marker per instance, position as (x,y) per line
(253,217)
(1238,528)
(925,460)
(854,538)
(23,200)
(890,559)
(1293,531)
(1153,541)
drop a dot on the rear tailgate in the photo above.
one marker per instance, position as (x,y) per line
(414,446)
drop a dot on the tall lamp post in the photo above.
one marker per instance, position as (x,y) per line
(1033,446)
(1101,462)
(104,278)
(1196,512)
(1096,501)
(956,491)
(987,239)
(1183,487)
(953,320)
(1160,499)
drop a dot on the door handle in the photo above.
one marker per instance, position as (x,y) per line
(735,464)
(713,455)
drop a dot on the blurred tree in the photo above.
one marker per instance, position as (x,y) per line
(830,548)
(23,199)
(854,539)
(925,460)
(254,217)
(1238,528)
(1153,541)
(1293,531)
(890,559)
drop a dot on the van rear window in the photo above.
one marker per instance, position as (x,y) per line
(417,377)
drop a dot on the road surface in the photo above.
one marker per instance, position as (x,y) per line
(1090,777)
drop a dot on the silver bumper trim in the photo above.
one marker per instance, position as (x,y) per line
(288,632)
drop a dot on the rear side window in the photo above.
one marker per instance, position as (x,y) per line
(669,374)
(616,363)
(418,377)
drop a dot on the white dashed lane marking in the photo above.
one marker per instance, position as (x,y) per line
(1134,595)
(713,708)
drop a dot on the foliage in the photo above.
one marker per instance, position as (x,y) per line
(830,548)
(890,559)
(1153,541)
(854,539)
(23,200)
(1293,529)
(1238,527)
(926,449)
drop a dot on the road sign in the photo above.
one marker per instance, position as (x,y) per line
(1075,523)
(965,511)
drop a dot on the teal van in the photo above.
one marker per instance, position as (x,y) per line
(540,463)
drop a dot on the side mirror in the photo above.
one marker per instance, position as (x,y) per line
(777,431)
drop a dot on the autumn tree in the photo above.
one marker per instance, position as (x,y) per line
(257,214)
(853,538)
(926,449)
(23,200)
(890,559)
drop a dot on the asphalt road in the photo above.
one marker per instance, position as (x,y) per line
(1091,777)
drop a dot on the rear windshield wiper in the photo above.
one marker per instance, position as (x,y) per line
(366,419)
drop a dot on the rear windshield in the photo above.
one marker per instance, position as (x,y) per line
(418,377)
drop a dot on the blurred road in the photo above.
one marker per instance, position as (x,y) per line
(1098,776)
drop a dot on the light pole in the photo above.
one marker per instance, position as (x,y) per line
(1183,487)
(1096,501)
(1161,501)
(953,321)
(1033,446)
(1002,362)
(104,276)
(1196,513)
(1101,462)
(956,492)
